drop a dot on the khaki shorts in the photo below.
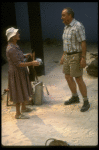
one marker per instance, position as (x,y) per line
(71,65)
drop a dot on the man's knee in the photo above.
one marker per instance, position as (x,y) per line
(79,79)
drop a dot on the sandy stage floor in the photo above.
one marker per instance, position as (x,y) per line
(53,119)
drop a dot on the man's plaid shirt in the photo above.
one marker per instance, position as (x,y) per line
(73,35)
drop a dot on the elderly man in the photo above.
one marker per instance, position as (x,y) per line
(74,57)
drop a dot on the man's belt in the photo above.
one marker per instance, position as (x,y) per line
(71,53)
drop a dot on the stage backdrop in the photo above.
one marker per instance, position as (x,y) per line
(51,23)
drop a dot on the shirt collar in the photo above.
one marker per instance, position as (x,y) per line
(72,22)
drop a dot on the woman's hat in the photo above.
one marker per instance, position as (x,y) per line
(11,32)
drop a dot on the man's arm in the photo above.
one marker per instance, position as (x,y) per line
(83,56)
(61,61)
(83,45)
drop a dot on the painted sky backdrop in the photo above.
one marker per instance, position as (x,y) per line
(51,23)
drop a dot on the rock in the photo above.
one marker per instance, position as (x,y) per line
(94,54)
(92,68)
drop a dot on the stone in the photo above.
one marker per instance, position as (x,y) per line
(92,68)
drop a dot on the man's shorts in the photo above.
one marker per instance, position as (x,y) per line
(71,65)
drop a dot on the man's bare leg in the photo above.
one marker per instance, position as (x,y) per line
(71,83)
(83,90)
(72,86)
(82,86)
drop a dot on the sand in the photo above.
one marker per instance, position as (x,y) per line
(53,119)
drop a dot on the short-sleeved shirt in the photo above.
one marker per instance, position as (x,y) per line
(73,35)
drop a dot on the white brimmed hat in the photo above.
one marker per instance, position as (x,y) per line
(11,32)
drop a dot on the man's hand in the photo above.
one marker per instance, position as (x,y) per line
(83,62)
(61,61)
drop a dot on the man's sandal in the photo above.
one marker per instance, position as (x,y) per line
(21,117)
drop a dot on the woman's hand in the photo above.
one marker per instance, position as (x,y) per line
(35,63)
(29,54)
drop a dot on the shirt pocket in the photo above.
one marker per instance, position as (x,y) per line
(73,33)
(69,35)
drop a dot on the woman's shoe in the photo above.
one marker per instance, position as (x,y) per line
(26,110)
(21,117)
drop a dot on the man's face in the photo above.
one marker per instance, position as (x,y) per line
(65,17)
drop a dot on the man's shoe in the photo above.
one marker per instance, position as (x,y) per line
(72,100)
(85,106)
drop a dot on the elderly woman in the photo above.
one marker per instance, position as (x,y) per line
(18,79)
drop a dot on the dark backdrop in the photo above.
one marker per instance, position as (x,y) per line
(51,23)
(36,34)
(8,19)
(85,12)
